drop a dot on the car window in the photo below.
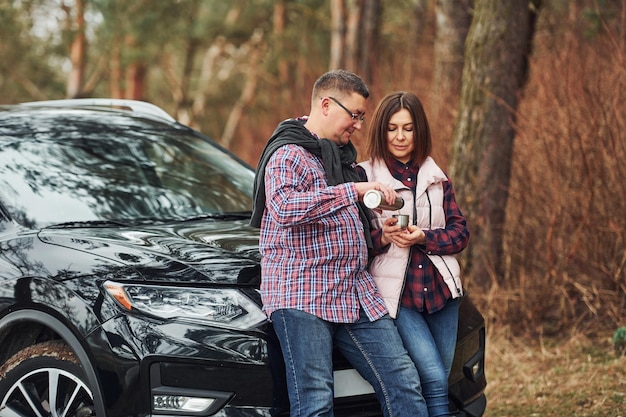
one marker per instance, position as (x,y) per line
(116,169)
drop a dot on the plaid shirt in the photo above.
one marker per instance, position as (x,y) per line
(314,254)
(424,289)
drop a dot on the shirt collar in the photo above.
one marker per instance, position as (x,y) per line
(403,172)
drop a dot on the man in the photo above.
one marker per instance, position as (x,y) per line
(315,286)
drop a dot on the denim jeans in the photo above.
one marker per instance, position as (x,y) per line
(373,348)
(431,341)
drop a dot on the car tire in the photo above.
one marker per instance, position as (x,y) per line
(29,377)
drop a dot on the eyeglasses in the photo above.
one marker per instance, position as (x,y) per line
(355,116)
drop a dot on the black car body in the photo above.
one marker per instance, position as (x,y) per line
(129,275)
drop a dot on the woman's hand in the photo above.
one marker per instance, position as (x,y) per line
(404,238)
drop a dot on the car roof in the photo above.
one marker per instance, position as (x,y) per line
(134,107)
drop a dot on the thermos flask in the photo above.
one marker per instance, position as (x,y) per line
(375,199)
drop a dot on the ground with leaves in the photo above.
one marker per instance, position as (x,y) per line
(578,377)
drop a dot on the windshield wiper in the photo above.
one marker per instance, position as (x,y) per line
(115,222)
(149,220)
(87,223)
(236,215)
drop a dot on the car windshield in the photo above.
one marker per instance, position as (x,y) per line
(82,169)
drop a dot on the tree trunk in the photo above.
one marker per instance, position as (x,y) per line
(135,81)
(337,34)
(191,48)
(256,49)
(495,71)
(115,73)
(279,20)
(453,19)
(135,74)
(354,32)
(77,51)
(370,29)
(353,35)
(206,84)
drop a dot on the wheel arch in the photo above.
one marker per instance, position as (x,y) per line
(33,326)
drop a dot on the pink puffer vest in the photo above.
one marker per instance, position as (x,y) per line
(389,268)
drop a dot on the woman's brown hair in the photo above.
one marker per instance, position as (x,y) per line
(377,135)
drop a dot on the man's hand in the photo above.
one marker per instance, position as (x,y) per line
(363,187)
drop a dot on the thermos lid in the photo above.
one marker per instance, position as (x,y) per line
(373,198)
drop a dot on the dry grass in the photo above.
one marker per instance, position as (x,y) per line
(576,377)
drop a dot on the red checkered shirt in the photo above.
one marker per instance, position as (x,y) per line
(314,253)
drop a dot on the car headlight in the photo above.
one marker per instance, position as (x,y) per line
(224,307)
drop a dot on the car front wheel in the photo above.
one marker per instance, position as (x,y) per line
(44,380)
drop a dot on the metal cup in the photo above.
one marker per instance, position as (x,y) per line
(403,220)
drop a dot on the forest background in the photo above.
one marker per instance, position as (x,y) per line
(527,106)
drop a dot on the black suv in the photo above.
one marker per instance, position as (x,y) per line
(129,275)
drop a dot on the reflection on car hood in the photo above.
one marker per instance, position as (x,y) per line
(219,252)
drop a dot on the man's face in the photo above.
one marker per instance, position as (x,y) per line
(345,115)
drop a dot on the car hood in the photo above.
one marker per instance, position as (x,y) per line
(201,251)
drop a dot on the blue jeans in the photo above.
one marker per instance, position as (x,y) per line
(373,348)
(431,341)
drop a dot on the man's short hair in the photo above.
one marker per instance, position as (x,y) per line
(345,82)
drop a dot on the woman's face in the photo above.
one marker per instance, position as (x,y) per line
(400,135)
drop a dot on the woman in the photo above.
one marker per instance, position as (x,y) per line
(413,267)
